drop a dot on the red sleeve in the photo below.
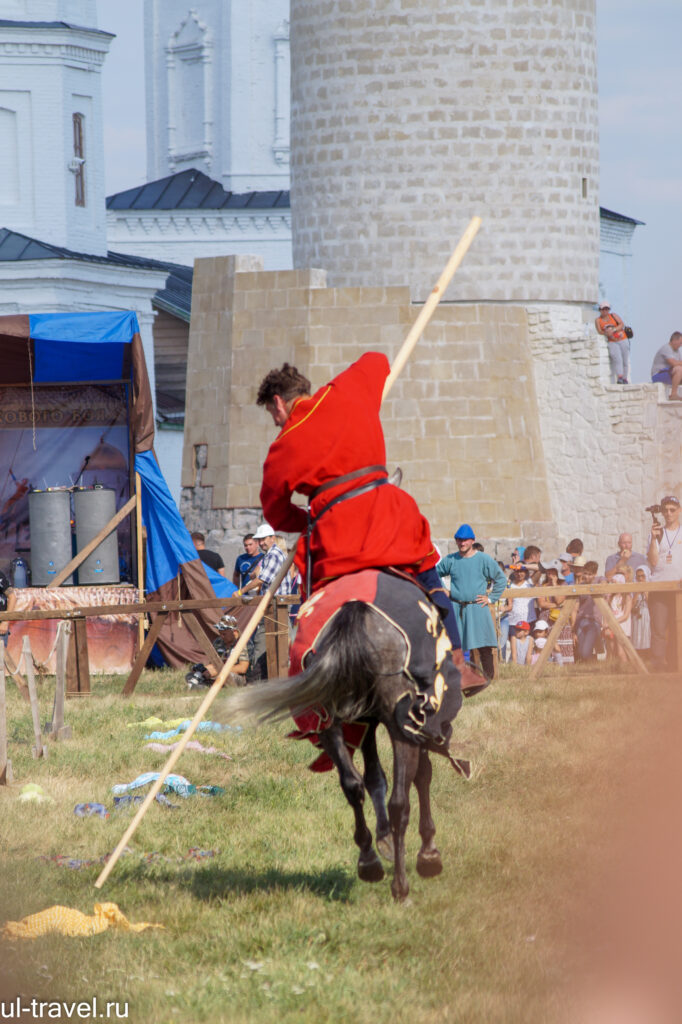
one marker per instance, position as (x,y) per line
(275,497)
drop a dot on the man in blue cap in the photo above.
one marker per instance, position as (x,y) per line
(476,582)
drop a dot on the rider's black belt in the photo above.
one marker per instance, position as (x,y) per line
(354,493)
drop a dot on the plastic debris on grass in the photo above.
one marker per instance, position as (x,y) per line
(202,727)
(166,748)
(177,784)
(88,810)
(33,793)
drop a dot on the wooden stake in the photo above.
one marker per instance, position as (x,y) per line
(6,776)
(92,544)
(619,635)
(258,614)
(145,651)
(38,750)
(429,306)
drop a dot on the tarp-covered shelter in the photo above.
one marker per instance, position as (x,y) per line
(91,348)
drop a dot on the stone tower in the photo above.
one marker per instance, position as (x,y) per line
(409,117)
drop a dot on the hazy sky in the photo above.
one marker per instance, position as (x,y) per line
(641,141)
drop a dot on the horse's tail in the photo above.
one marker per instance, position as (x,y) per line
(340,677)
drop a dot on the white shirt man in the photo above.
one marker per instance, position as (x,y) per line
(667,365)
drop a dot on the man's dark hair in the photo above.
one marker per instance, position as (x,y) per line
(247,536)
(575,546)
(198,536)
(675,335)
(591,567)
(288,383)
(531,553)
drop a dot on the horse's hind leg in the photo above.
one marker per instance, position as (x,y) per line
(405,762)
(369,866)
(428,858)
(377,787)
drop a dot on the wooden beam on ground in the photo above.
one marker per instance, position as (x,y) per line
(6,777)
(210,653)
(92,544)
(618,634)
(143,655)
(553,637)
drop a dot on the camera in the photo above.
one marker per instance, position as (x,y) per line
(655,510)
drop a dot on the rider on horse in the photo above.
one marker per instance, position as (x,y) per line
(331,449)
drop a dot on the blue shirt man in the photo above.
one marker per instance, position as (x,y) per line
(246,562)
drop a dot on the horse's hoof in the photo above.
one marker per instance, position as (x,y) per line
(401,895)
(371,868)
(429,864)
(385,847)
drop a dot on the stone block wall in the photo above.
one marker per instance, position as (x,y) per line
(610,450)
(408,118)
(462,421)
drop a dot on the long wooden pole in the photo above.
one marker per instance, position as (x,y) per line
(398,364)
(203,708)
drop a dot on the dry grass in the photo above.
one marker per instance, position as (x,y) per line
(276,927)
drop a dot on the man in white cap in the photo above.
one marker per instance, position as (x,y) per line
(611,327)
(264,574)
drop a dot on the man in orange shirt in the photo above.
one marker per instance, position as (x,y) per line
(612,328)
(331,449)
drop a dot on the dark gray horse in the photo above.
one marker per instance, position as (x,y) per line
(360,669)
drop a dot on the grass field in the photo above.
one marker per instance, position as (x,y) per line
(276,927)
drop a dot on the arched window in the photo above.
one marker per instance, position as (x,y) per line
(189,57)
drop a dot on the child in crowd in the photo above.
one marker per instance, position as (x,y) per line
(519,609)
(641,622)
(621,606)
(538,641)
(521,644)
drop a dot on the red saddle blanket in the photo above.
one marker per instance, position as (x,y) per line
(424,712)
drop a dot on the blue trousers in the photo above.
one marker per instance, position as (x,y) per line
(587,632)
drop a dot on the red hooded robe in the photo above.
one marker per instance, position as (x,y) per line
(327,435)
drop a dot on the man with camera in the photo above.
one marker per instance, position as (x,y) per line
(665,558)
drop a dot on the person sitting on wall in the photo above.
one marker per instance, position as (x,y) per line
(611,327)
(667,368)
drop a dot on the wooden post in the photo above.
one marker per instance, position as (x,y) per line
(145,651)
(554,632)
(38,750)
(56,728)
(140,555)
(619,636)
(282,622)
(78,664)
(6,776)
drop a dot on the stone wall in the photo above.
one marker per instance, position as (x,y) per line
(410,117)
(610,450)
(462,421)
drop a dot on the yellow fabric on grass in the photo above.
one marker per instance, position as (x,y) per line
(157,723)
(68,921)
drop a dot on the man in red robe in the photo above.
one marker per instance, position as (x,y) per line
(331,449)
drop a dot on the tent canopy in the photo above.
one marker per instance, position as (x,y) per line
(90,347)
